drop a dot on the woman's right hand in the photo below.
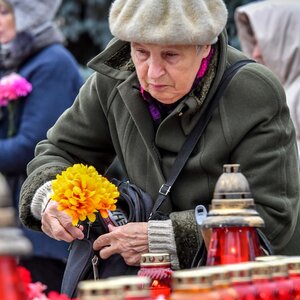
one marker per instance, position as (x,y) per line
(58,225)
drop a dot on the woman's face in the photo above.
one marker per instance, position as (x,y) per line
(257,54)
(7,25)
(167,72)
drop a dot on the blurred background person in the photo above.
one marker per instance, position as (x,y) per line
(269,32)
(231,5)
(39,79)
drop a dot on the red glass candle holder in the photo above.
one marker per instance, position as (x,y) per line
(280,276)
(262,279)
(230,245)
(293,263)
(157,267)
(11,285)
(232,221)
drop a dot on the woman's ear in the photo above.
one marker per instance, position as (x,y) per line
(206,50)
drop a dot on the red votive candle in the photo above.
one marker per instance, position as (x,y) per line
(11,285)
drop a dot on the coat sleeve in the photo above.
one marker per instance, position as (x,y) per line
(80,135)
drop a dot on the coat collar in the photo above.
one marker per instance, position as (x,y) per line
(115,62)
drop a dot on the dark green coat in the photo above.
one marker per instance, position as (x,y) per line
(251,127)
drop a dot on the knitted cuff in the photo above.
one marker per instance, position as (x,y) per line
(161,239)
(40,200)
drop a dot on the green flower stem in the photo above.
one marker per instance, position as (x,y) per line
(11,119)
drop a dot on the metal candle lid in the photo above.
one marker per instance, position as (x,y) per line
(232,205)
(155,259)
(133,286)
(99,289)
(192,279)
(12,240)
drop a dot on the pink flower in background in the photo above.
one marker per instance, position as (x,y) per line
(36,290)
(12,87)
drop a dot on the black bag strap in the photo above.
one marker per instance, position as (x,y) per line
(195,135)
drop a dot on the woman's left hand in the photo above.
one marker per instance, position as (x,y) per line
(130,241)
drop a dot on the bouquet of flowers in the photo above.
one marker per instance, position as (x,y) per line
(12,87)
(81,192)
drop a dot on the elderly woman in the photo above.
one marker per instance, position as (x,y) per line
(150,86)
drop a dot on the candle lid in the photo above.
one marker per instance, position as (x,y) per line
(220,274)
(198,278)
(240,272)
(94,289)
(12,240)
(261,270)
(232,204)
(133,285)
(7,216)
(279,268)
(155,259)
(268,258)
(293,263)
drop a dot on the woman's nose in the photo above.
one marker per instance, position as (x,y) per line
(256,53)
(155,69)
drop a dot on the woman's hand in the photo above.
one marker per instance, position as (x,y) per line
(130,241)
(58,225)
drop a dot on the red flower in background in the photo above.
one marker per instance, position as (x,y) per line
(25,277)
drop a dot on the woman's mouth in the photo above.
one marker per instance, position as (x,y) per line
(156,86)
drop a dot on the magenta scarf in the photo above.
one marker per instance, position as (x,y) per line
(159,110)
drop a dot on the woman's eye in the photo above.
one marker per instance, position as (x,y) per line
(141,52)
(4,12)
(170,54)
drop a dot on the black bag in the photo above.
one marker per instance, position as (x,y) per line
(83,262)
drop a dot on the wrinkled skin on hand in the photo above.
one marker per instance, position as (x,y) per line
(58,225)
(130,241)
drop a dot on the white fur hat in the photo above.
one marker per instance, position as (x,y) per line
(31,14)
(168,22)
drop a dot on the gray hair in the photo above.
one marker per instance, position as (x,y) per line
(198,49)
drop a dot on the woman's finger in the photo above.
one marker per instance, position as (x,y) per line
(58,224)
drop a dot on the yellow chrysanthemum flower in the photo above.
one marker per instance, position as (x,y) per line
(81,192)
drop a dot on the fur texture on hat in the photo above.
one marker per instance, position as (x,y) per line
(168,22)
(31,14)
